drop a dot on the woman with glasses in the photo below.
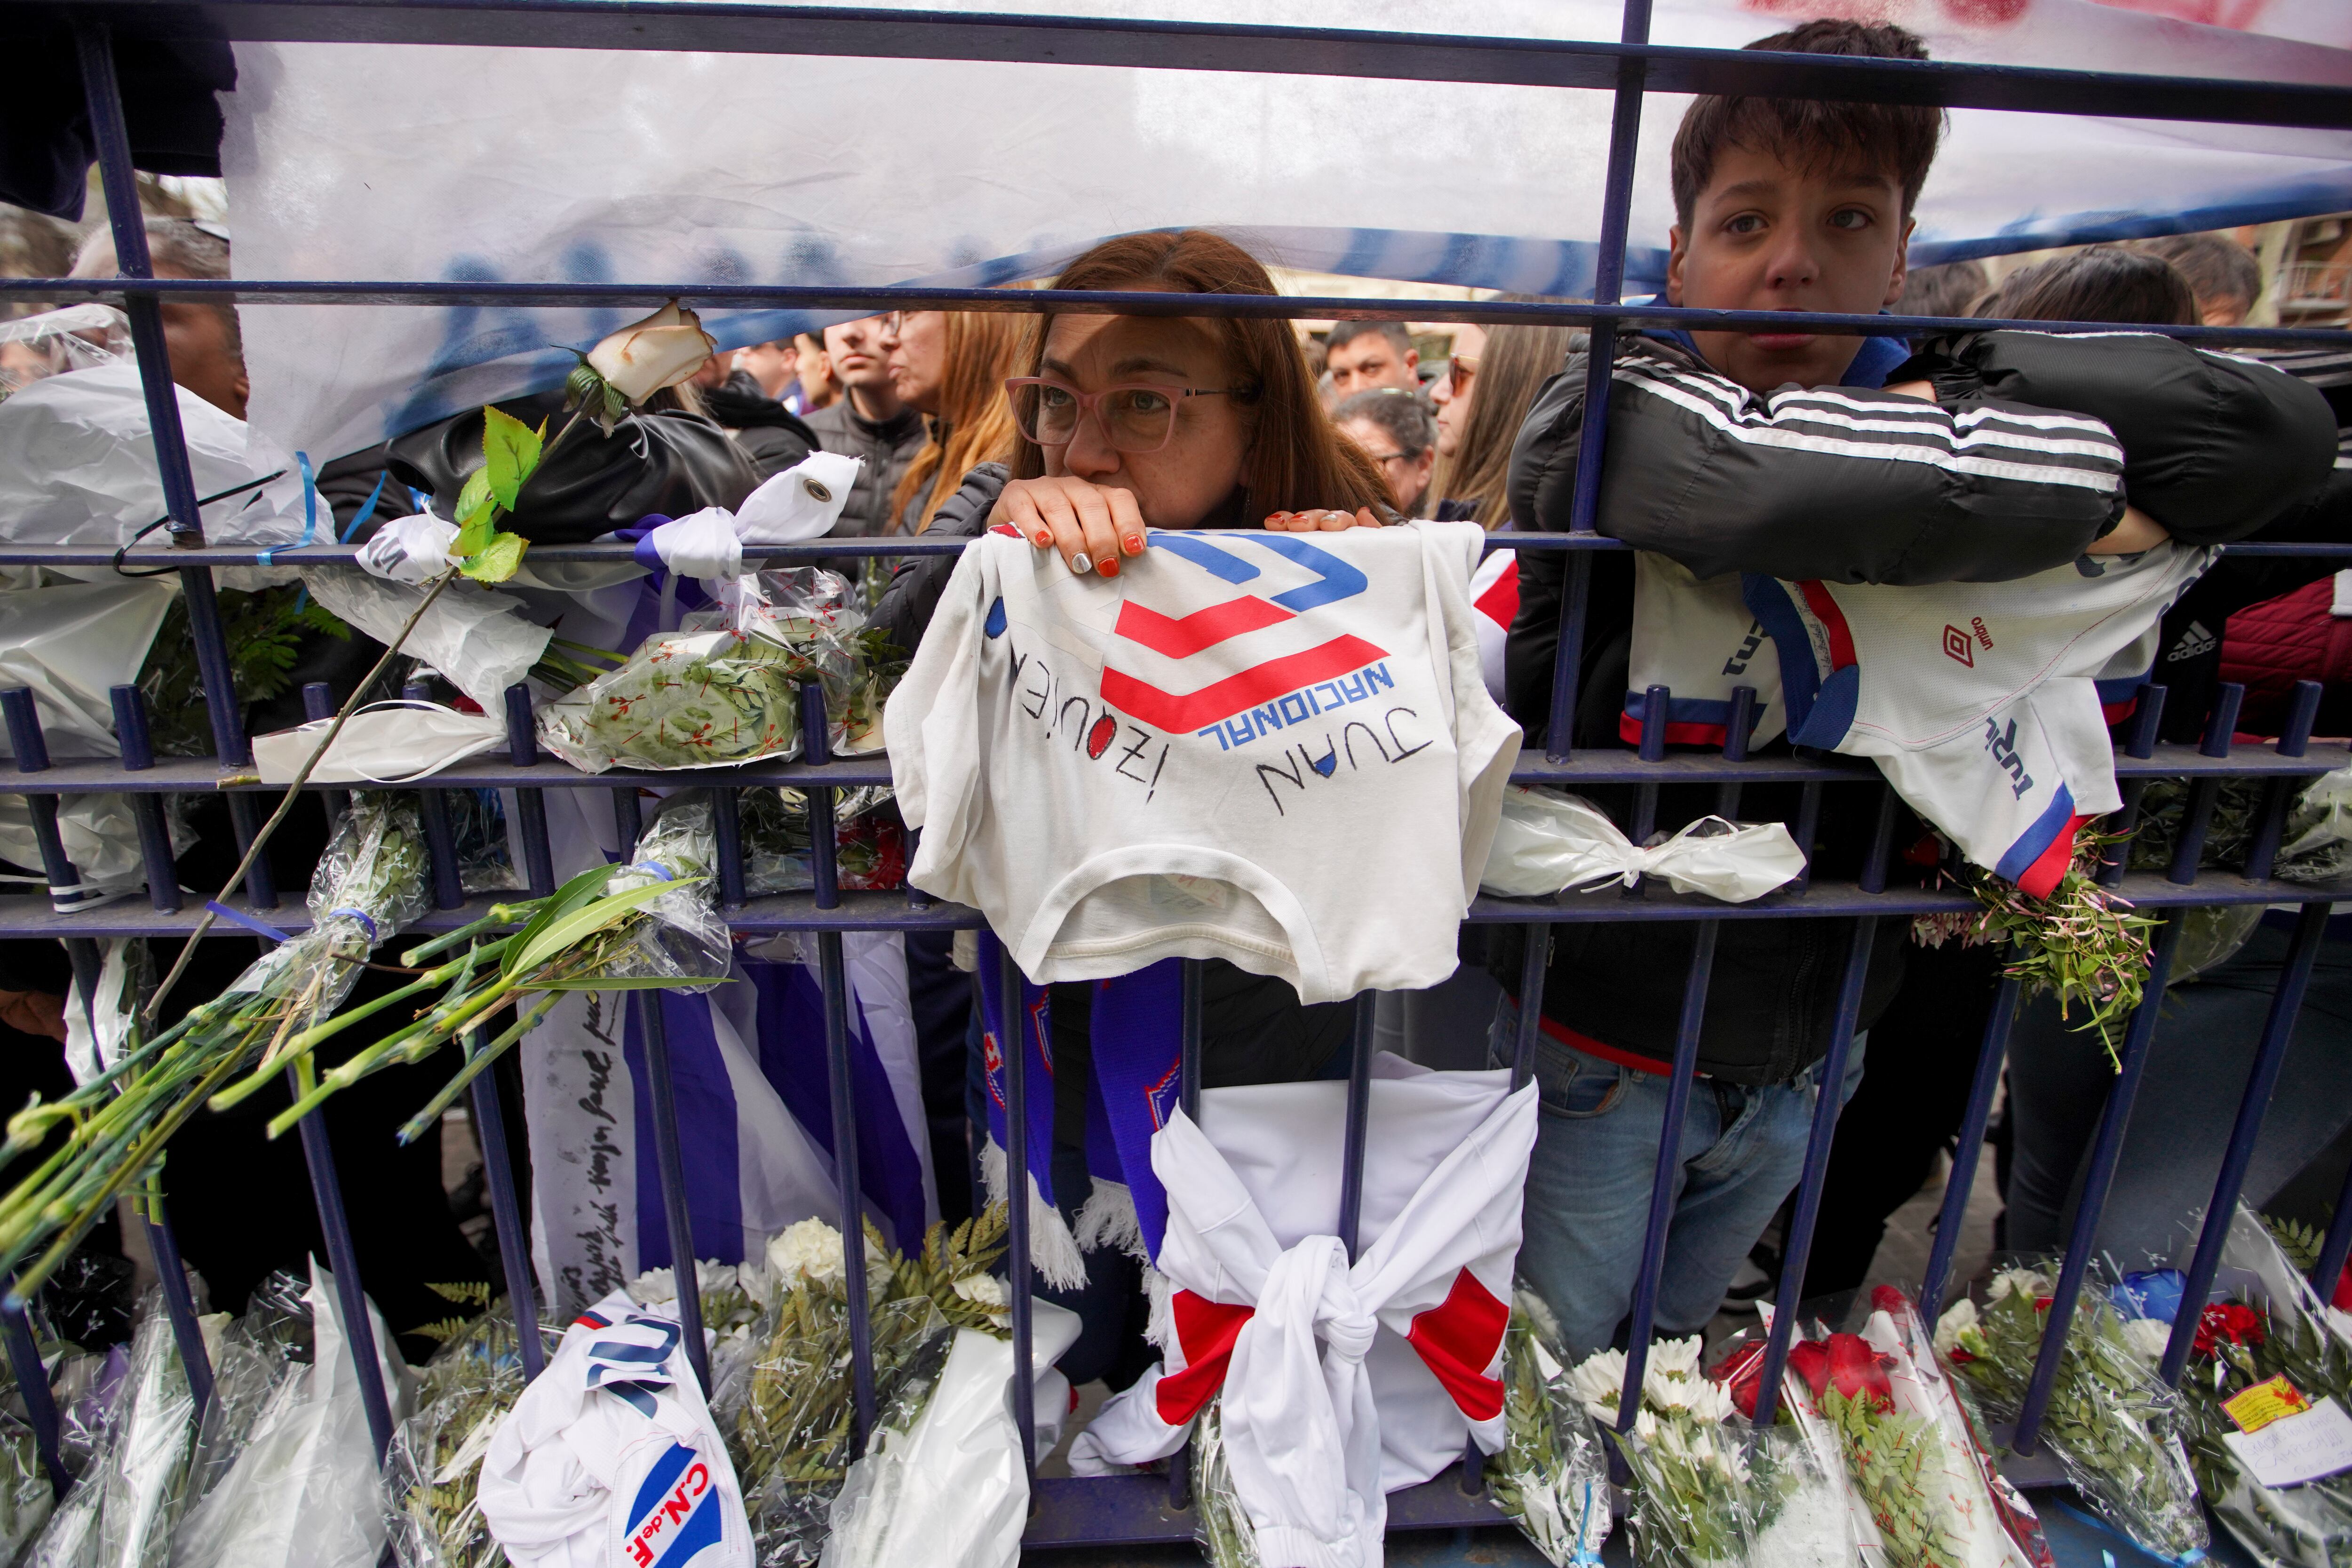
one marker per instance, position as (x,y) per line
(1129,423)
(1122,424)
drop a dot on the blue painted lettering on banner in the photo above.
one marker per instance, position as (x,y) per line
(1300,706)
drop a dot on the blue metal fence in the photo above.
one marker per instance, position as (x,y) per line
(1134,1509)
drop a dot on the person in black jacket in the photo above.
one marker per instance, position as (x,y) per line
(1201,424)
(1721,460)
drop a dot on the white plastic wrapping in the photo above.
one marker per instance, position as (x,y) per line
(384,742)
(78,465)
(1547,842)
(303,1492)
(950,1492)
(73,643)
(409,549)
(801,502)
(474,636)
(55,343)
(100,837)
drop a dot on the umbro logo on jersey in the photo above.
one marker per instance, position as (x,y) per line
(1962,646)
(2194,643)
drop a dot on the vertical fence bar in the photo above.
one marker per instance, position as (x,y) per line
(2147,714)
(319,703)
(1882,842)
(669,1164)
(1828,1083)
(816,748)
(440,835)
(628,822)
(2270,1057)
(1669,1162)
(2295,739)
(531,804)
(1601,353)
(24,738)
(103,93)
(146,808)
(1734,748)
(1188,1091)
(342,1257)
(833,977)
(2106,1153)
(726,828)
(1012,1039)
(2189,849)
(1970,1148)
(505,1215)
(260,881)
(2330,1267)
(33,1381)
(180,1302)
(1359,1125)
(1535,965)
(1808,821)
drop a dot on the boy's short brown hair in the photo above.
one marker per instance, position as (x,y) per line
(1816,134)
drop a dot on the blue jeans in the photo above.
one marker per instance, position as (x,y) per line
(1743,1152)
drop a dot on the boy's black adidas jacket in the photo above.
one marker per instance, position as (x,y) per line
(1800,486)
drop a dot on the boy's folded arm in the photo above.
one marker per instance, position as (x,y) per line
(2215,446)
(1836,483)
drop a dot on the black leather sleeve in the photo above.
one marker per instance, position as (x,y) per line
(2215,446)
(1837,483)
(590,483)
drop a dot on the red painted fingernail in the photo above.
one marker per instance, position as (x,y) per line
(1134,544)
(1044,539)
(1109,568)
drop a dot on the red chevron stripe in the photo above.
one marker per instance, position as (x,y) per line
(1184,713)
(1202,628)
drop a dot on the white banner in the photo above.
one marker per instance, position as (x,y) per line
(457,164)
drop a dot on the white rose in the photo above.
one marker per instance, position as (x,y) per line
(654,1287)
(645,357)
(1675,1358)
(811,1248)
(2147,1336)
(1599,1379)
(985,1291)
(2025,1281)
(1957,1318)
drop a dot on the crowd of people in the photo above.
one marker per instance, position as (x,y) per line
(1085,433)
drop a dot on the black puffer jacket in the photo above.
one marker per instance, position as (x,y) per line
(2213,449)
(671,463)
(770,435)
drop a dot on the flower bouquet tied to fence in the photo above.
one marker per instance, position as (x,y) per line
(368,885)
(650,923)
(2111,1423)
(1691,1500)
(2267,1397)
(725,687)
(789,1428)
(1551,1477)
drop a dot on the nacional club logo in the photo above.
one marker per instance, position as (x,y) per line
(675,1513)
(1237,629)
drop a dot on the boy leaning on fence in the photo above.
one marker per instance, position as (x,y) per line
(1791,456)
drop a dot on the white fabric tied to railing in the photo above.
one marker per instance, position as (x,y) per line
(1289,1334)
(1547,842)
(799,503)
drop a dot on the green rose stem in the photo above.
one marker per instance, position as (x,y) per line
(285,803)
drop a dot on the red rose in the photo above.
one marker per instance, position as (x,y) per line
(1846,1362)
(2231,1320)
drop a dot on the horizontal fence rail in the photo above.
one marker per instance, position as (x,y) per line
(1140,1509)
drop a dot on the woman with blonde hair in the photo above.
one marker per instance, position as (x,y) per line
(952,366)
(1492,395)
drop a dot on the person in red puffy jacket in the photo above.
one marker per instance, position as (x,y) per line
(2306,635)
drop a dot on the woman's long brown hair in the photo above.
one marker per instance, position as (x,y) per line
(974,424)
(1297,461)
(1519,356)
